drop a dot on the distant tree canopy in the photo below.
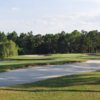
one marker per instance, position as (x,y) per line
(28,43)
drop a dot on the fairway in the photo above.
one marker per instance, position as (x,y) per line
(84,86)
(51,59)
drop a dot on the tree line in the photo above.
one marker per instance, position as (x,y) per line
(74,42)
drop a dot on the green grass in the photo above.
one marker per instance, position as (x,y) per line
(85,86)
(26,60)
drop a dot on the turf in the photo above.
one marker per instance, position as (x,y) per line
(27,60)
(85,86)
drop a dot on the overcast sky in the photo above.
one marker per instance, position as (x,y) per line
(49,16)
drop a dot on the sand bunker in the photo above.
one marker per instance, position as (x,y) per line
(93,61)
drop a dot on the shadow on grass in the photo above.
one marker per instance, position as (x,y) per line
(20,59)
(66,81)
(94,54)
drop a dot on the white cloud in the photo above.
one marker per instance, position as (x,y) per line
(67,23)
(78,14)
(54,24)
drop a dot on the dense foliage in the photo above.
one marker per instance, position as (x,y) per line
(7,47)
(74,42)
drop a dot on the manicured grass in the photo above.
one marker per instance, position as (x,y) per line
(26,60)
(79,87)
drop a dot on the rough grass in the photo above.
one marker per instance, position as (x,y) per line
(79,87)
(26,60)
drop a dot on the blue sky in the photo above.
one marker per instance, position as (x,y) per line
(49,16)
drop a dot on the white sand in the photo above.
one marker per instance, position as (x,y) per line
(93,61)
